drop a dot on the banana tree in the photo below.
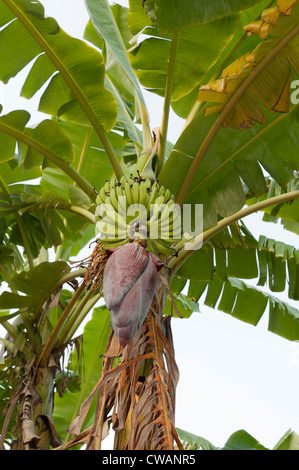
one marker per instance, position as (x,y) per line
(230,70)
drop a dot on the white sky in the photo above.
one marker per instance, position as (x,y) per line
(232,375)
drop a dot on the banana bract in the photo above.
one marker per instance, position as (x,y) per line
(137,209)
(129,284)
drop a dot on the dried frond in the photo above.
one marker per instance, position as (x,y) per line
(94,264)
(139,392)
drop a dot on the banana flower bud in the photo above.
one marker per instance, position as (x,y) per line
(129,282)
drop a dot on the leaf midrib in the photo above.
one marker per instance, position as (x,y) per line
(81,98)
(237,95)
(244,146)
(47,153)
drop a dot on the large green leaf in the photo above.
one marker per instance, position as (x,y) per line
(215,271)
(248,304)
(238,44)
(105,23)
(290,441)
(18,120)
(77,92)
(271,263)
(50,136)
(222,165)
(12,173)
(197,50)
(174,15)
(35,284)
(218,184)
(90,159)
(116,81)
(47,214)
(45,144)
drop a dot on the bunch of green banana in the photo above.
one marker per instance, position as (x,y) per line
(137,208)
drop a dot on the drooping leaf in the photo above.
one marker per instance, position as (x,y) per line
(40,145)
(218,184)
(77,92)
(238,44)
(272,263)
(179,305)
(248,304)
(149,404)
(212,185)
(105,23)
(116,81)
(45,216)
(286,213)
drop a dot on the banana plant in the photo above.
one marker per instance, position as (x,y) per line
(88,344)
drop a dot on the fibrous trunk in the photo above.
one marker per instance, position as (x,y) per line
(34,426)
(136,393)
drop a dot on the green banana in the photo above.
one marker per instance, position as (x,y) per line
(102,194)
(99,200)
(135,192)
(165,213)
(150,246)
(152,198)
(157,205)
(122,200)
(162,218)
(113,244)
(128,193)
(162,190)
(143,194)
(167,194)
(148,183)
(123,181)
(114,198)
(107,187)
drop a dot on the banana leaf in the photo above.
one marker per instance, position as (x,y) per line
(271,87)
(77,91)
(174,15)
(265,147)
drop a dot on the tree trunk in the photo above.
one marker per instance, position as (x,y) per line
(34,426)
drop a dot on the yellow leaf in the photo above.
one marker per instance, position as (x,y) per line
(271,87)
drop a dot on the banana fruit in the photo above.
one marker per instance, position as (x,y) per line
(156,203)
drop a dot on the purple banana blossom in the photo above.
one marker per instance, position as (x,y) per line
(129,283)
